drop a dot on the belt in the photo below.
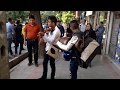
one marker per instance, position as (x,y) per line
(73,57)
(32,39)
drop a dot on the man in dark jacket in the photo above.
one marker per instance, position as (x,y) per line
(61,28)
(18,37)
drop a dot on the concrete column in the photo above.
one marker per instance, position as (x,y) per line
(107,30)
(109,33)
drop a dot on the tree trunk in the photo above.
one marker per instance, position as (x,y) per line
(38,20)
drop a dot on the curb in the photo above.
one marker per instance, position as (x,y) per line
(17,60)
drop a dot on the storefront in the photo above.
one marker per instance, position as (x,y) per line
(114,45)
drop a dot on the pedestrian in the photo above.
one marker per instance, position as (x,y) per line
(68,31)
(50,37)
(10,34)
(61,28)
(74,55)
(18,37)
(99,33)
(30,33)
(82,25)
(89,32)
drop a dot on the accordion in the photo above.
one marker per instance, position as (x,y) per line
(53,52)
(91,49)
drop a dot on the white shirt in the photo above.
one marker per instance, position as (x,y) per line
(10,30)
(69,45)
(50,38)
(82,27)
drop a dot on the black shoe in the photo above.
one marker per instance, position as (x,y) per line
(19,53)
(52,78)
(36,65)
(29,64)
(42,78)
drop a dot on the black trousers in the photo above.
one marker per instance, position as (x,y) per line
(32,44)
(45,66)
(17,42)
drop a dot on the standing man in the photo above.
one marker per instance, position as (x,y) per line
(83,26)
(61,28)
(50,37)
(18,37)
(99,33)
(10,33)
(74,55)
(31,31)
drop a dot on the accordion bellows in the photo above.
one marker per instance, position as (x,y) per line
(89,50)
(53,52)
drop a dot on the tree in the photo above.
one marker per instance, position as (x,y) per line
(65,16)
(38,20)
(17,15)
(45,14)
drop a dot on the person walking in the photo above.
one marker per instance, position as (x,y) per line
(10,34)
(99,33)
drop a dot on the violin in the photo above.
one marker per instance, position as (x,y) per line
(41,34)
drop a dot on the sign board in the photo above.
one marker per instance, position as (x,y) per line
(89,13)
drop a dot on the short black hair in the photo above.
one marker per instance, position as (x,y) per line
(101,22)
(53,19)
(31,16)
(9,19)
(18,21)
(76,25)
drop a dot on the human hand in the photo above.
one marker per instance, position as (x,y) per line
(25,43)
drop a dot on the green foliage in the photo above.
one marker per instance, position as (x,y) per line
(65,16)
(17,14)
(45,14)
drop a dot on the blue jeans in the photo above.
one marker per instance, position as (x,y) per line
(99,40)
(74,67)
(9,46)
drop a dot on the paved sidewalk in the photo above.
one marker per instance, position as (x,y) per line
(102,68)
(13,49)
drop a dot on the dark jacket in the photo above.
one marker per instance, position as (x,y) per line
(90,33)
(61,30)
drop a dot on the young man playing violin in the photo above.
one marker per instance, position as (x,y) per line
(49,36)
